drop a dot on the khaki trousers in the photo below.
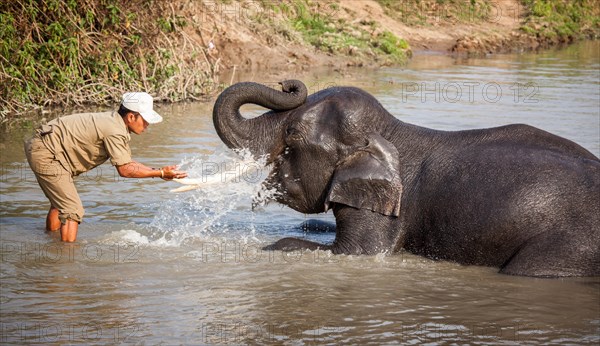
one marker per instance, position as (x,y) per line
(56,182)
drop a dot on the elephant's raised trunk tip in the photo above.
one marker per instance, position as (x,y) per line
(294,86)
(257,134)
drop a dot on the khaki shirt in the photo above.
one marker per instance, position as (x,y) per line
(83,141)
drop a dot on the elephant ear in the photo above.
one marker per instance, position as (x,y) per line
(369,178)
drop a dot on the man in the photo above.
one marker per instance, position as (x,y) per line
(74,144)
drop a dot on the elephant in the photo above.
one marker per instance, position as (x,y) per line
(513,197)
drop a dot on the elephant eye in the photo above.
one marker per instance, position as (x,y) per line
(292,134)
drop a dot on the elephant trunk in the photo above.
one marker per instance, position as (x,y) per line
(261,134)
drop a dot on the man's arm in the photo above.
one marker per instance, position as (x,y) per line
(137,170)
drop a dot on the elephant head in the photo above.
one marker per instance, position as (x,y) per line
(325,149)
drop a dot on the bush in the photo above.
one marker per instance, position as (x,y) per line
(57,53)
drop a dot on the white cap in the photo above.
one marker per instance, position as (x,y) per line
(142,103)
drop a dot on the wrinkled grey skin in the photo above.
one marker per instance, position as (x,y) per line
(514,197)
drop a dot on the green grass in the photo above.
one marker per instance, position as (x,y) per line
(562,20)
(337,36)
(428,12)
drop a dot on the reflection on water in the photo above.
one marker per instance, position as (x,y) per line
(152,266)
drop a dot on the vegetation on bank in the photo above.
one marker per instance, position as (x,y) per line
(75,52)
(562,21)
(317,24)
(428,12)
(548,22)
(59,53)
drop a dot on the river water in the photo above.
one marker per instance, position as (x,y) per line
(155,267)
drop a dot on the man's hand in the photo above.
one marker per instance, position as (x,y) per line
(171,172)
(137,170)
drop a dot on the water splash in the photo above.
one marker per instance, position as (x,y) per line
(228,184)
(125,237)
